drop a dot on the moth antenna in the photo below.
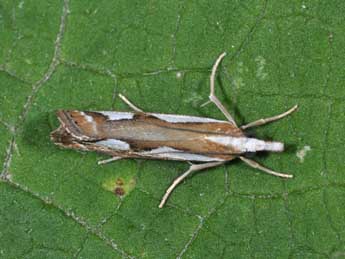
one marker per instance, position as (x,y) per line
(270,119)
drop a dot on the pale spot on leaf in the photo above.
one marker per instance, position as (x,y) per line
(238,82)
(21,4)
(261,62)
(194,99)
(302,153)
(28,61)
(119,186)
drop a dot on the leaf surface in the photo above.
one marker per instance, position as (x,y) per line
(80,54)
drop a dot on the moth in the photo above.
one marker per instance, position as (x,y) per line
(205,141)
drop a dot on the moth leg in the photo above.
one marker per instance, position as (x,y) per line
(106,161)
(126,101)
(256,165)
(270,119)
(192,168)
(213,97)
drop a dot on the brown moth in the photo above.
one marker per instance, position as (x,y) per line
(140,134)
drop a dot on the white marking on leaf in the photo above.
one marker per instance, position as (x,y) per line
(114,144)
(302,153)
(115,116)
(261,62)
(183,118)
(194,99)
(21,4)
(238,82)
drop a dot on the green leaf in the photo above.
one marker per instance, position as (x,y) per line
(79,54)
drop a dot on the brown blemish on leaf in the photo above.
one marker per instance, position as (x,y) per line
(119,181)
(120,186)
(119,191)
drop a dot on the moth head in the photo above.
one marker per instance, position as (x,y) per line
(77,125)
